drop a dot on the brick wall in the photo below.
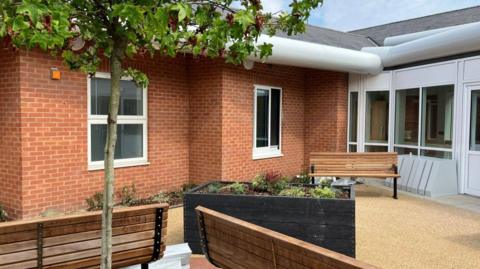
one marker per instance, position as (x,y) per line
(237,121)
(205,83)
(326,108)
(200,127)
(10,144)
(54,134)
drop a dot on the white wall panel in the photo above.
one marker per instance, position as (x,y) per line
(378,82)
(429,75)
(472,70)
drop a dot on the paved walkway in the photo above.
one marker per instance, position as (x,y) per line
(410,232)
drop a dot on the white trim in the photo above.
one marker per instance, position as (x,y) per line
(102,119)
(376,144)
(269,151)
(469,88)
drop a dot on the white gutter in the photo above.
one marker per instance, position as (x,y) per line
(455,41)
(310,55)
(400,39)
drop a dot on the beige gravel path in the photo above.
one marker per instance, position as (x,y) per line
(405,233)
(414,233)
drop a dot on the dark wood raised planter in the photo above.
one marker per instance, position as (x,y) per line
(328,223)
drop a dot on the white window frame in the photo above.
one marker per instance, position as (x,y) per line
(269,151)
(102,119)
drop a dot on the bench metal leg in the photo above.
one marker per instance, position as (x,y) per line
(395,188)
(144,266)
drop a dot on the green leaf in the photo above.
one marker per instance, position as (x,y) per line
(244,18)
(183,11)
(19,24)
(265,50)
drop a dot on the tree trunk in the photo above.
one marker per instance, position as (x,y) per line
(118,54)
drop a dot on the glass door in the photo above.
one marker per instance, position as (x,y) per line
(473,153)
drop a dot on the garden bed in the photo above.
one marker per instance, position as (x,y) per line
(328,223)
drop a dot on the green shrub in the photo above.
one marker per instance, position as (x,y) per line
(303,178)
(278,186)
(235,188)
(160,197)
(326,181)
(260,183)
(3,214)
(293,192)
(271,182)
(95,202)
(214,187)
(325,193)
(128,195)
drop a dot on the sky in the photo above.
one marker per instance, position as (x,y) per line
(348,15)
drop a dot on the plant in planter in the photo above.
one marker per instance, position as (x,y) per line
(272,182)
(313,213)
(95,202)
(3,214)
(323,192)
(293,192)
(302,178)
(235,188)
(128,195)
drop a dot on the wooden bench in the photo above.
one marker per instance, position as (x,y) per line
(230,243)
(355,165)
(75,241)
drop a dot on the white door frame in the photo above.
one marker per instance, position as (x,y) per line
(466,137)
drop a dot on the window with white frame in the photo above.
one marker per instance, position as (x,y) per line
(131,147)
(424,121)
(267,122)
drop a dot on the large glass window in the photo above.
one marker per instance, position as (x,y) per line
(132,123)
(267,125)
(376,118)
(424,121)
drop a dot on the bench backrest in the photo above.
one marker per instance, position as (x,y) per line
(231,243)
(75,241)
(365,163)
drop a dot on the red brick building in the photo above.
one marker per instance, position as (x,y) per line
(199,122)
(202,120)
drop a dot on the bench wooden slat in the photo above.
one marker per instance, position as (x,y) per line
(75,237)
(71,240)
(230,252)
(18,246)
(21,265)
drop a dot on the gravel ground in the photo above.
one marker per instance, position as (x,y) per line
(404,233)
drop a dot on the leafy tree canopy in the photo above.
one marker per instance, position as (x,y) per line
(85,30)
